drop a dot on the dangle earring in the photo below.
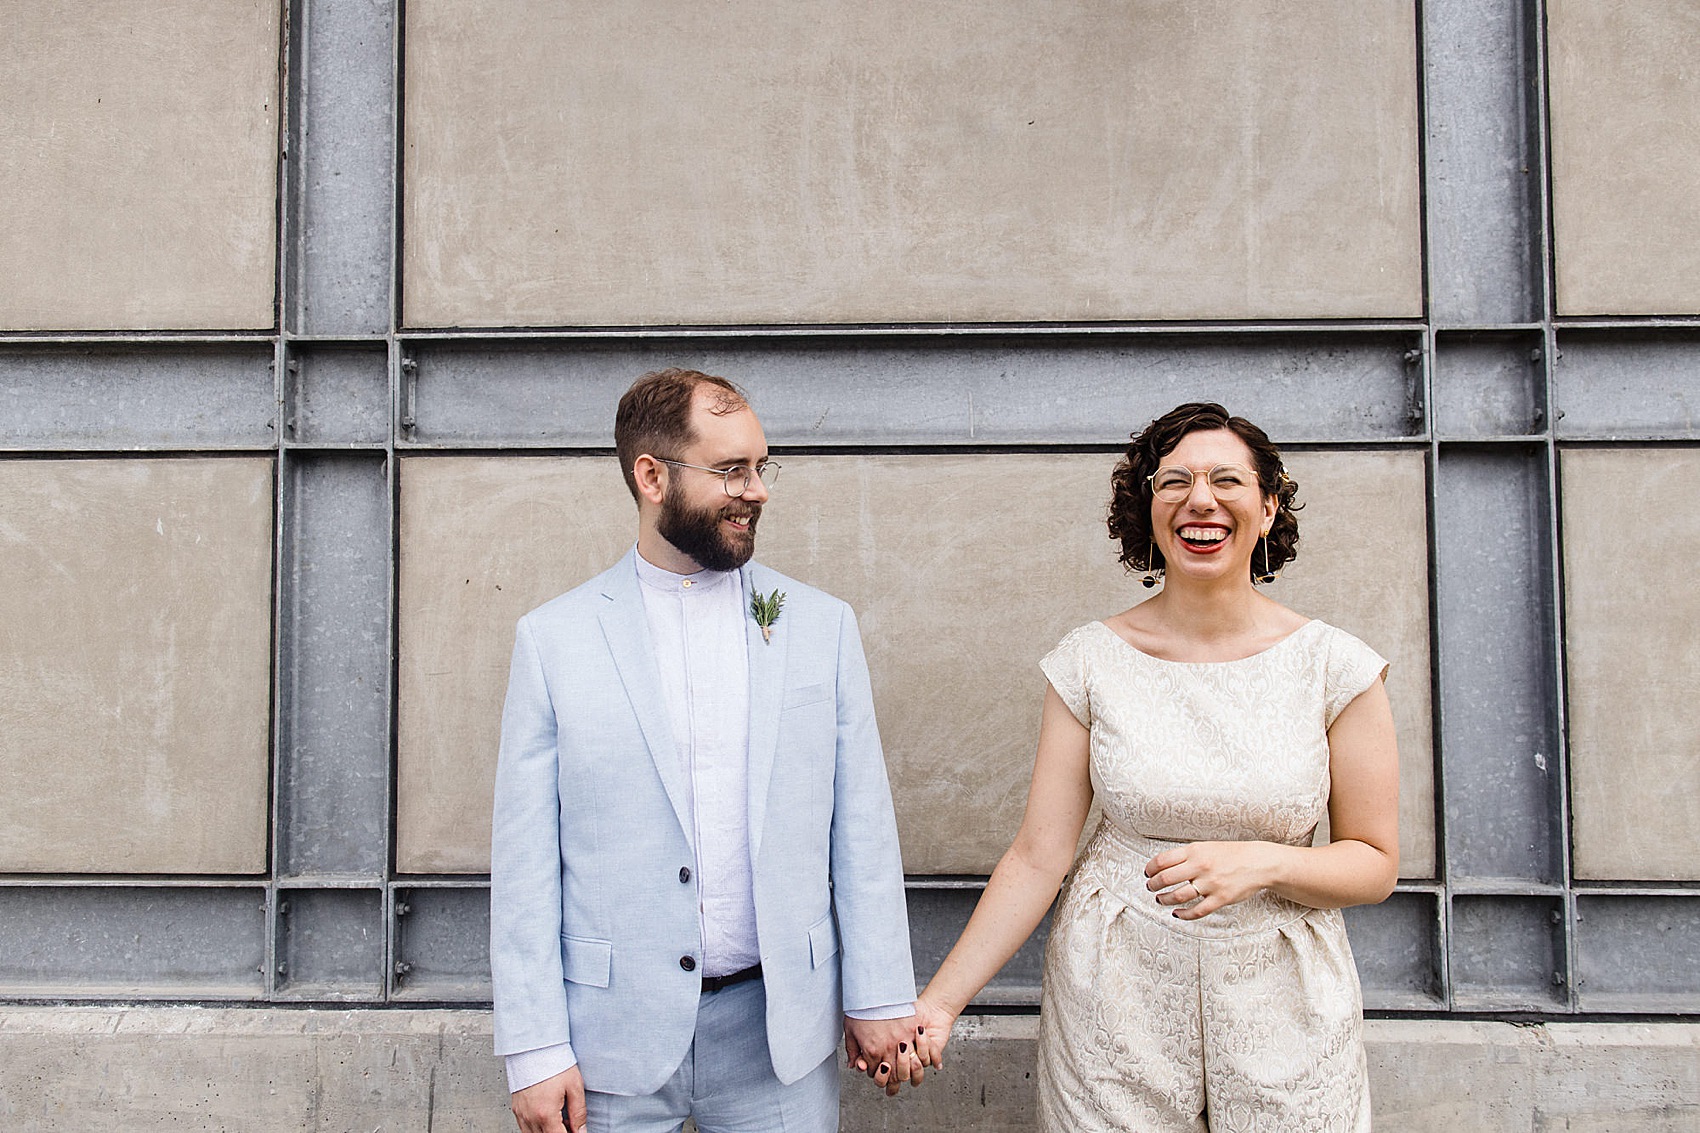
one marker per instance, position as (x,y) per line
(1268,575)
(1151,575)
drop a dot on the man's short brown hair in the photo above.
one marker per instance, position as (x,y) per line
(654,416)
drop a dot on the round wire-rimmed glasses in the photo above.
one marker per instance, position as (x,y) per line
(736,479)
(1172,484)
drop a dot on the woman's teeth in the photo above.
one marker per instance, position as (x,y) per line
(1203,535)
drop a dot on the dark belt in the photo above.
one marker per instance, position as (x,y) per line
(717,983)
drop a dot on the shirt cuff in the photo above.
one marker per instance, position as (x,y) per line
(529,1067)
(889,1011)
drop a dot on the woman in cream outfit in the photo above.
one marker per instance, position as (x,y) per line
(1198,975)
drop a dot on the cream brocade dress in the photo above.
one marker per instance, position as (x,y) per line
(1250,1018)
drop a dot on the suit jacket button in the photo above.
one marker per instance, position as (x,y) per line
(689,963)
(684,875)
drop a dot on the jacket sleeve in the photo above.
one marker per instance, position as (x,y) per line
(866,864)
(525,864)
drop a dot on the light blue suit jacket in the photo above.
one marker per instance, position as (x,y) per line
(589,917)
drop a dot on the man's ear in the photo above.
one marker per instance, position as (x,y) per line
(650,475)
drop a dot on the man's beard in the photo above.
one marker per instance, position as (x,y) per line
(699,534)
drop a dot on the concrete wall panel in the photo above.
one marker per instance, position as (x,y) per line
(135,606)
(815,162)
(1630,605)
(1625,103)
(483,540)
(1363,566)
(964,571)
(140,177)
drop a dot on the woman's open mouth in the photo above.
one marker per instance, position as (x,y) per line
(1203,539)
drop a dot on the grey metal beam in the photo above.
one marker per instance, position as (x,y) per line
(1626,384)
(337,395)
(1397,945)
(145,942)
(333,765)
(330,945)
(442,944)
(1500,786)
(1637,953)
(135,396)
(1507,953)
(1482,176)
(340,171)
(947,390)
(1489,384)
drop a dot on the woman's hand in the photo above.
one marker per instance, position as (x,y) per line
(933,1025)
(1206,876)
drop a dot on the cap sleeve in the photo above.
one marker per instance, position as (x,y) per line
(1352,668)
(1065,668)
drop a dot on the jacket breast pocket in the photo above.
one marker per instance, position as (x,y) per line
(587,962)
(823,941)
(804,695)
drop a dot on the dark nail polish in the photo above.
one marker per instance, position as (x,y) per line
(920,1030)
(884,1069)
(902,1048)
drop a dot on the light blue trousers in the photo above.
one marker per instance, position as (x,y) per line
(726,1081)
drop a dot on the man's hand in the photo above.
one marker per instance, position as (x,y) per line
(538,1108)
(884,1050)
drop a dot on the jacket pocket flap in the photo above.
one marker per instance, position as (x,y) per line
(586,961)
(805,694)
(823,941)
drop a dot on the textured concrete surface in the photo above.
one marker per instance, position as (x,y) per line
(1363,566)
(135,645)
(1630,605)
(819,162)
(1625,103)
(140,177)
(177,1068)
(964,571)
(483,540)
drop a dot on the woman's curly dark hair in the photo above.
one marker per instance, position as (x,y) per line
(1130,505)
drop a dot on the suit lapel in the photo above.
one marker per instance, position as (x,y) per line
(626,629)
(767,688)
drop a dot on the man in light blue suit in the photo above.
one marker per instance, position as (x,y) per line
(696,889)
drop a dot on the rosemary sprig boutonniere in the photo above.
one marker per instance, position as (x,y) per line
(766,611)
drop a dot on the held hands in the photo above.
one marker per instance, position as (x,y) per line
(539,1108)
(1206,876)
(884,1050)
(933,1024)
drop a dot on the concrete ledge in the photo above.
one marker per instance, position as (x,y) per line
(146,1068)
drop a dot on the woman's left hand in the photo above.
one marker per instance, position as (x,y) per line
(1206,876)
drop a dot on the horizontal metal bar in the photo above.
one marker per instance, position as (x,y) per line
(442,945)
(1299,387)
(1398,952)
(1638,954)
(145,942)
(1628,385)
(740,333)
(145,397)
